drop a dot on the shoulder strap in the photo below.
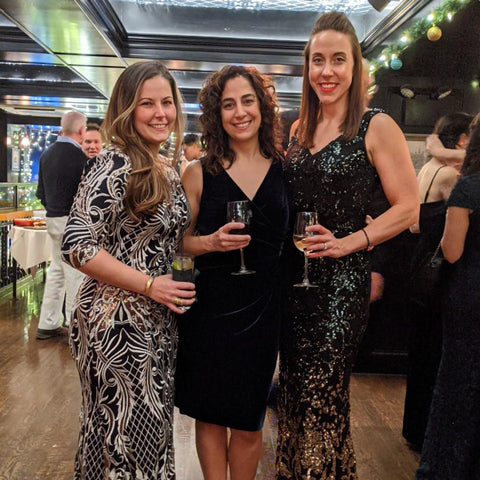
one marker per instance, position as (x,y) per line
(431,183)
(367,116)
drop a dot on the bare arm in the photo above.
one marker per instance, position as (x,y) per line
(450,156)
(456,227)
(107,269)
(388,152)
(219,241)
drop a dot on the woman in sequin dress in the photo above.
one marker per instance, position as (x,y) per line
(126,221)
(332,167)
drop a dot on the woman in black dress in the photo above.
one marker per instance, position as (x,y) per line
(332,168)
(452,440)
(229,339)
(435,181)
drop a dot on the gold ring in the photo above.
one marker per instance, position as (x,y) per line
(325,246)
(178,301)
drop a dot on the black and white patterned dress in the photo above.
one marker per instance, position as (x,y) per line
(123,343)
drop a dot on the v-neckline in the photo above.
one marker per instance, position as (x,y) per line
(324,147)
(259,187)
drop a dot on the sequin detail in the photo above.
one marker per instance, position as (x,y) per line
(322,327)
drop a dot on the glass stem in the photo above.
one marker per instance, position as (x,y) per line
(305,271)
(242,261)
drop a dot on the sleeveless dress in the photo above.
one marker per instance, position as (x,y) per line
(451,449)
(425,335)
(229,338)
(322,327)
(123,343)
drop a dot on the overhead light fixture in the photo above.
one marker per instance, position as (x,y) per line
(407,91)
(441,92)
(378,5)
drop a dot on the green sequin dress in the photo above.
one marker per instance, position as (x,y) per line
(322,327)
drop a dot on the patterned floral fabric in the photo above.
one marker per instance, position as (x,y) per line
(322,327)
(123,343)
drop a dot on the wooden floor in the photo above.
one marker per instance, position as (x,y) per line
(40,398)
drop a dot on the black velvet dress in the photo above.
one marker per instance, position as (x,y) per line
(229,338)
(451,449)
(322,327)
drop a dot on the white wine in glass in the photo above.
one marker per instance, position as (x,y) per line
(240,211)
(302,221)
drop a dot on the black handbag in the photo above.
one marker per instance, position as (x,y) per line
(426,279)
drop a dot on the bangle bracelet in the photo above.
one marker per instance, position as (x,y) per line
(366,236)
(148,286)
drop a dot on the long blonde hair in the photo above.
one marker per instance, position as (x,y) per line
(310,109)
(147,184)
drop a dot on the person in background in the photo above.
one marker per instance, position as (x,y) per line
(125,224)
(191,151)
(331,168)
(229,339)
(60,170)
(92,143)
(436,180)
(452,442)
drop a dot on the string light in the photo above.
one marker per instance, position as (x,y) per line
(418,30)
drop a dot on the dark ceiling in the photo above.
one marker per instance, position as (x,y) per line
(60,54)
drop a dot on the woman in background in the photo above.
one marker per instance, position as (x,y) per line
(127,219)
(436,180)
(229,339)
(452,441)
(333,165)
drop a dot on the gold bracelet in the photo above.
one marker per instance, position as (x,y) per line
(148,285)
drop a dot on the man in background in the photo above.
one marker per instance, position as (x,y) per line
(60,170)
(191,150)
(92,143)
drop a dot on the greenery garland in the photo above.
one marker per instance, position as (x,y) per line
(417,30)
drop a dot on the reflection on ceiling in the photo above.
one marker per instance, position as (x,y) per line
(60,54)
(347,6)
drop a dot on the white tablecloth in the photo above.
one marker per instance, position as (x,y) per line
(30,247)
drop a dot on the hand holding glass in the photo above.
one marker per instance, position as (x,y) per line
(240,212)
(183,270)
(304,220)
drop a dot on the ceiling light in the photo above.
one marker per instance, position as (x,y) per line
(442,92)
(406,91)
(378,5)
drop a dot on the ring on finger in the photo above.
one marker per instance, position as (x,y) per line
(178,301)
(325,246)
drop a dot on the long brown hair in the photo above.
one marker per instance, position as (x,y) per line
(310,109)
(147,184)
(214,138)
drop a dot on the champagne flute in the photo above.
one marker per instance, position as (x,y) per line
(240,211)
(304,220)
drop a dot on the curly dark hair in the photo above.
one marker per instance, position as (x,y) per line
(471,165)
(215,140)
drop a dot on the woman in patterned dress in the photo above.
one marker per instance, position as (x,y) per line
(126,221)
(339,154)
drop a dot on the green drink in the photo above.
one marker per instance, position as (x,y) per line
(183,270)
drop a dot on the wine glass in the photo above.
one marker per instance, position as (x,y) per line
(240,211)
(304,220)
